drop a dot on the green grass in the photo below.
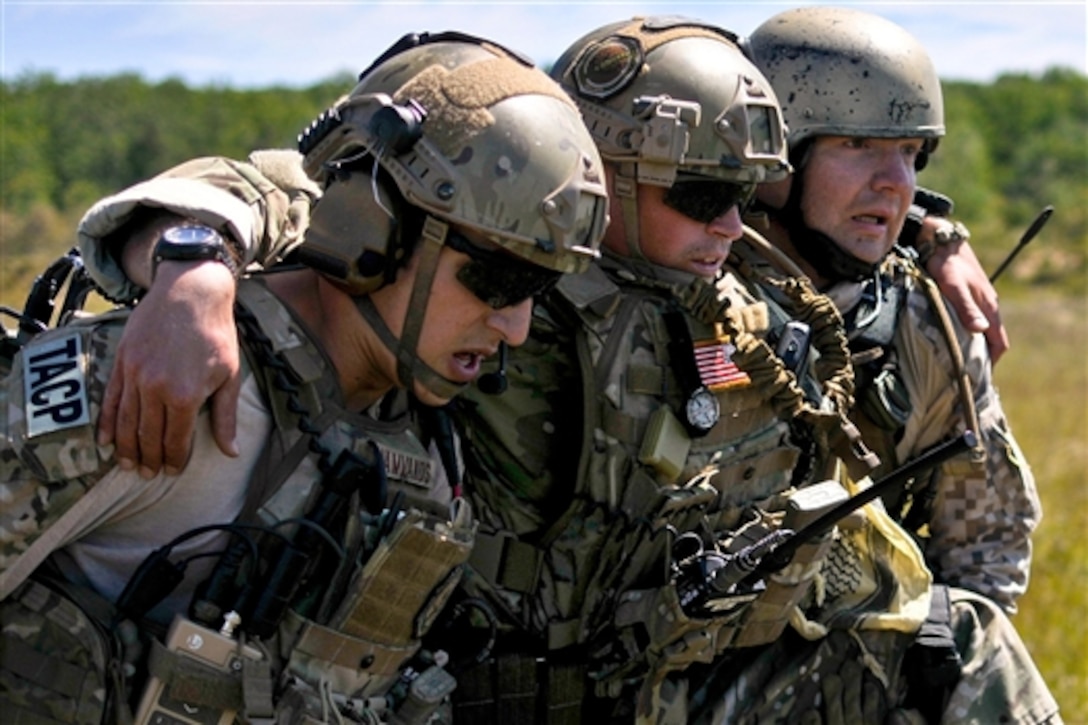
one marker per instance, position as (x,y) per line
(1043,382)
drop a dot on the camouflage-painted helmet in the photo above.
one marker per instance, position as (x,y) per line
(676,95)
(471,133)
(844,72)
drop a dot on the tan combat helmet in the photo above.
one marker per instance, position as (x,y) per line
(844,72)
(450,129)
(669,98)
(675,95)
(467,131)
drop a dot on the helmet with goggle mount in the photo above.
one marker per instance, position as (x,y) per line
(443,134)
(471,134)
(671,99)
(675,96)
(845,72)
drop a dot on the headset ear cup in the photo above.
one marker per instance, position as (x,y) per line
(354,237)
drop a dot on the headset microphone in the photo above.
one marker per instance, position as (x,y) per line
(495,383)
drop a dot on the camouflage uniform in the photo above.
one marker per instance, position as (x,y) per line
(985,505)
(913,387)
(999,681)
(66,498)
(578,521)
(921,375)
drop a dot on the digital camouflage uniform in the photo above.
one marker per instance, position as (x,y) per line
(984,506)
(921,376)
(999,681)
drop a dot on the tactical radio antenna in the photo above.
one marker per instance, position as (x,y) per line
(1036,225)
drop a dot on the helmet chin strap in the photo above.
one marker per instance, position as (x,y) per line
(410,367)
(625,182)
(829,260)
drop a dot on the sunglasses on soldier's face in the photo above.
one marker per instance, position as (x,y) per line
(705,200)
(498,279)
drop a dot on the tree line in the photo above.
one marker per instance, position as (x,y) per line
(1013,146)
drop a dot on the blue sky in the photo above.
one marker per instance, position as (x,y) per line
(250,43)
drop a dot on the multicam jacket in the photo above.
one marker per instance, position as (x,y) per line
(64,495)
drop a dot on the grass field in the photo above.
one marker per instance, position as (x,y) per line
(1043,382)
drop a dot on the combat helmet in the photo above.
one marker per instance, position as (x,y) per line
(470,133)
(845,72)
(671,99)
(447,129)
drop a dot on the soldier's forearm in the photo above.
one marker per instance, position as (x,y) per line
(134,243)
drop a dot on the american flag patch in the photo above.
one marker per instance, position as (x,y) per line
(714,359)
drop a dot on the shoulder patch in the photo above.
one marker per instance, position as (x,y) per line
(55,385)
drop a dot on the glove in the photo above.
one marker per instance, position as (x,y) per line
(852,696)
(822,683)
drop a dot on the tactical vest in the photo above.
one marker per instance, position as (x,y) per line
(594,575)
(352,646)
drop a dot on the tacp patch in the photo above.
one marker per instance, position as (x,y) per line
(55,385)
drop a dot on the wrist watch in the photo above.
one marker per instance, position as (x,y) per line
(191,242)
(951,232)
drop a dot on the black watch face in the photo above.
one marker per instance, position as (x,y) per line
(702,410)
(191,234)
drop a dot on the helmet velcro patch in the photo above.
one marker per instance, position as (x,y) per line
(457,101)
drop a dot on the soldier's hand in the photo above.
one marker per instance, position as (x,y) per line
(966,286)
(179,349)
(852,695)
(836,689)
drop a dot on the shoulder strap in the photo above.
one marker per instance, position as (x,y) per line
(296,379)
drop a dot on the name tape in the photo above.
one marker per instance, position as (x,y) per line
(55,386)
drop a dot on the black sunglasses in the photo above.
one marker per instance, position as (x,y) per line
(705,200)
(497,279)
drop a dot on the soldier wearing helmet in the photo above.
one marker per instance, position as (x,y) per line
(649,429)
(452,184)
(864,109)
